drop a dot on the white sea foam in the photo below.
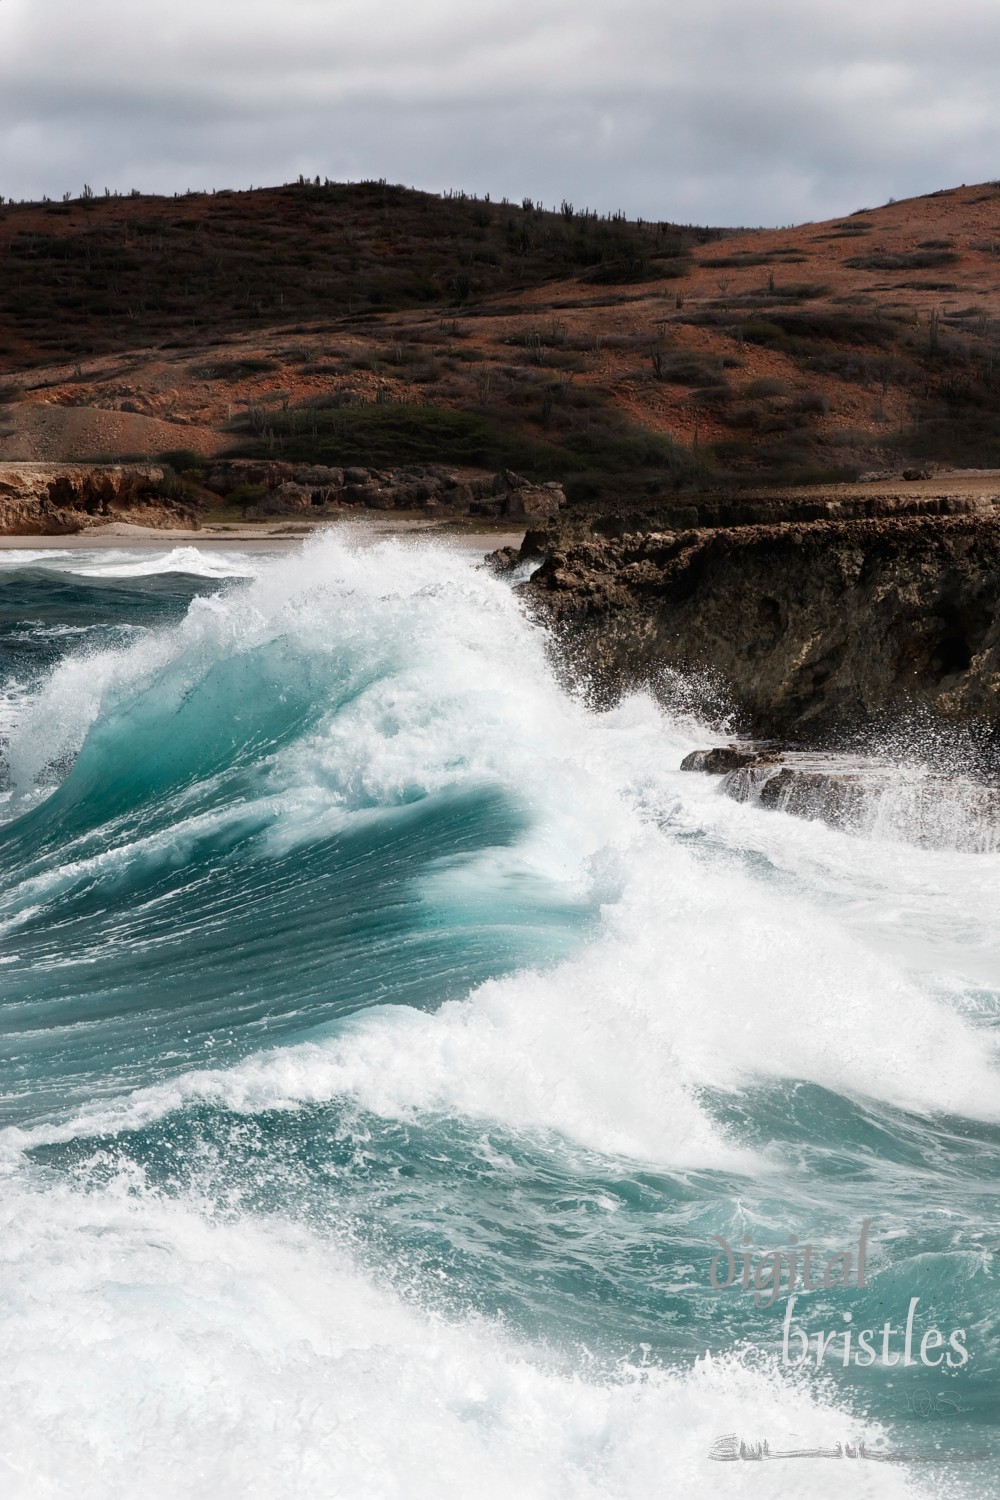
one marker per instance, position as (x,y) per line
(145,564)
(160,1354)
(610,1048)
(136,562)
(699,975)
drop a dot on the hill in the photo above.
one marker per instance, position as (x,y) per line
(368,323)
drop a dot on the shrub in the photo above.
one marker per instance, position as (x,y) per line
(688,369)
(848,231)
(389,435)
(638,268)
(181,459)
(236,369)
(766,386)
(799,291)
(712,395)
(759,331)
(810,403)
(743,416)
(245,495)
(740,258)
(902,260)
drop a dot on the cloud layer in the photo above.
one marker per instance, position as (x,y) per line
(724,111)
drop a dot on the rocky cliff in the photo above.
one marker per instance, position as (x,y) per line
(813,626)
(58,499)
(314,490)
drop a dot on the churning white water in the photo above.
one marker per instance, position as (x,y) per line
(534,1015)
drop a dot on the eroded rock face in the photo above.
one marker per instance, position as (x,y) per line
(516,499)
(287,499)
(295,489)
(58,499)
(812,626)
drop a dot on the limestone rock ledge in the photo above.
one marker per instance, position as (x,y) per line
(59,499)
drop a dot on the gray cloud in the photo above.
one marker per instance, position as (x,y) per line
(720,111)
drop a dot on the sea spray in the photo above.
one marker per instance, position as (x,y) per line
(387,1035)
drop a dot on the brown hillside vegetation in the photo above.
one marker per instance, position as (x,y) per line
(369,323)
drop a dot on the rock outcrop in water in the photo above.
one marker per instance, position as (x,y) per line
(859,794)
(812,626)
(59,499)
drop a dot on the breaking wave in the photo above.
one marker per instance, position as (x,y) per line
(386,1033)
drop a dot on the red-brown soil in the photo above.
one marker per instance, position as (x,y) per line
(833,347)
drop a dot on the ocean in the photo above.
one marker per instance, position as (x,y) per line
(415,1087)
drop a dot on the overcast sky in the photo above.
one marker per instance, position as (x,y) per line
(718,111)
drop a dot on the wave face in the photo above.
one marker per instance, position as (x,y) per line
(386,1035)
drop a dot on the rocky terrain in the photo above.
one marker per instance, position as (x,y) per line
(768,455)
(60,499)
(267,488)
(808,626)
(368,325)
(859,793)
(915,492)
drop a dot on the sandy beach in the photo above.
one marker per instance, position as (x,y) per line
(266,534)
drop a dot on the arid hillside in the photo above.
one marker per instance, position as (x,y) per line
(372,324)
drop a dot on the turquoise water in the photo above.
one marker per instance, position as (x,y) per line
(389,1041)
